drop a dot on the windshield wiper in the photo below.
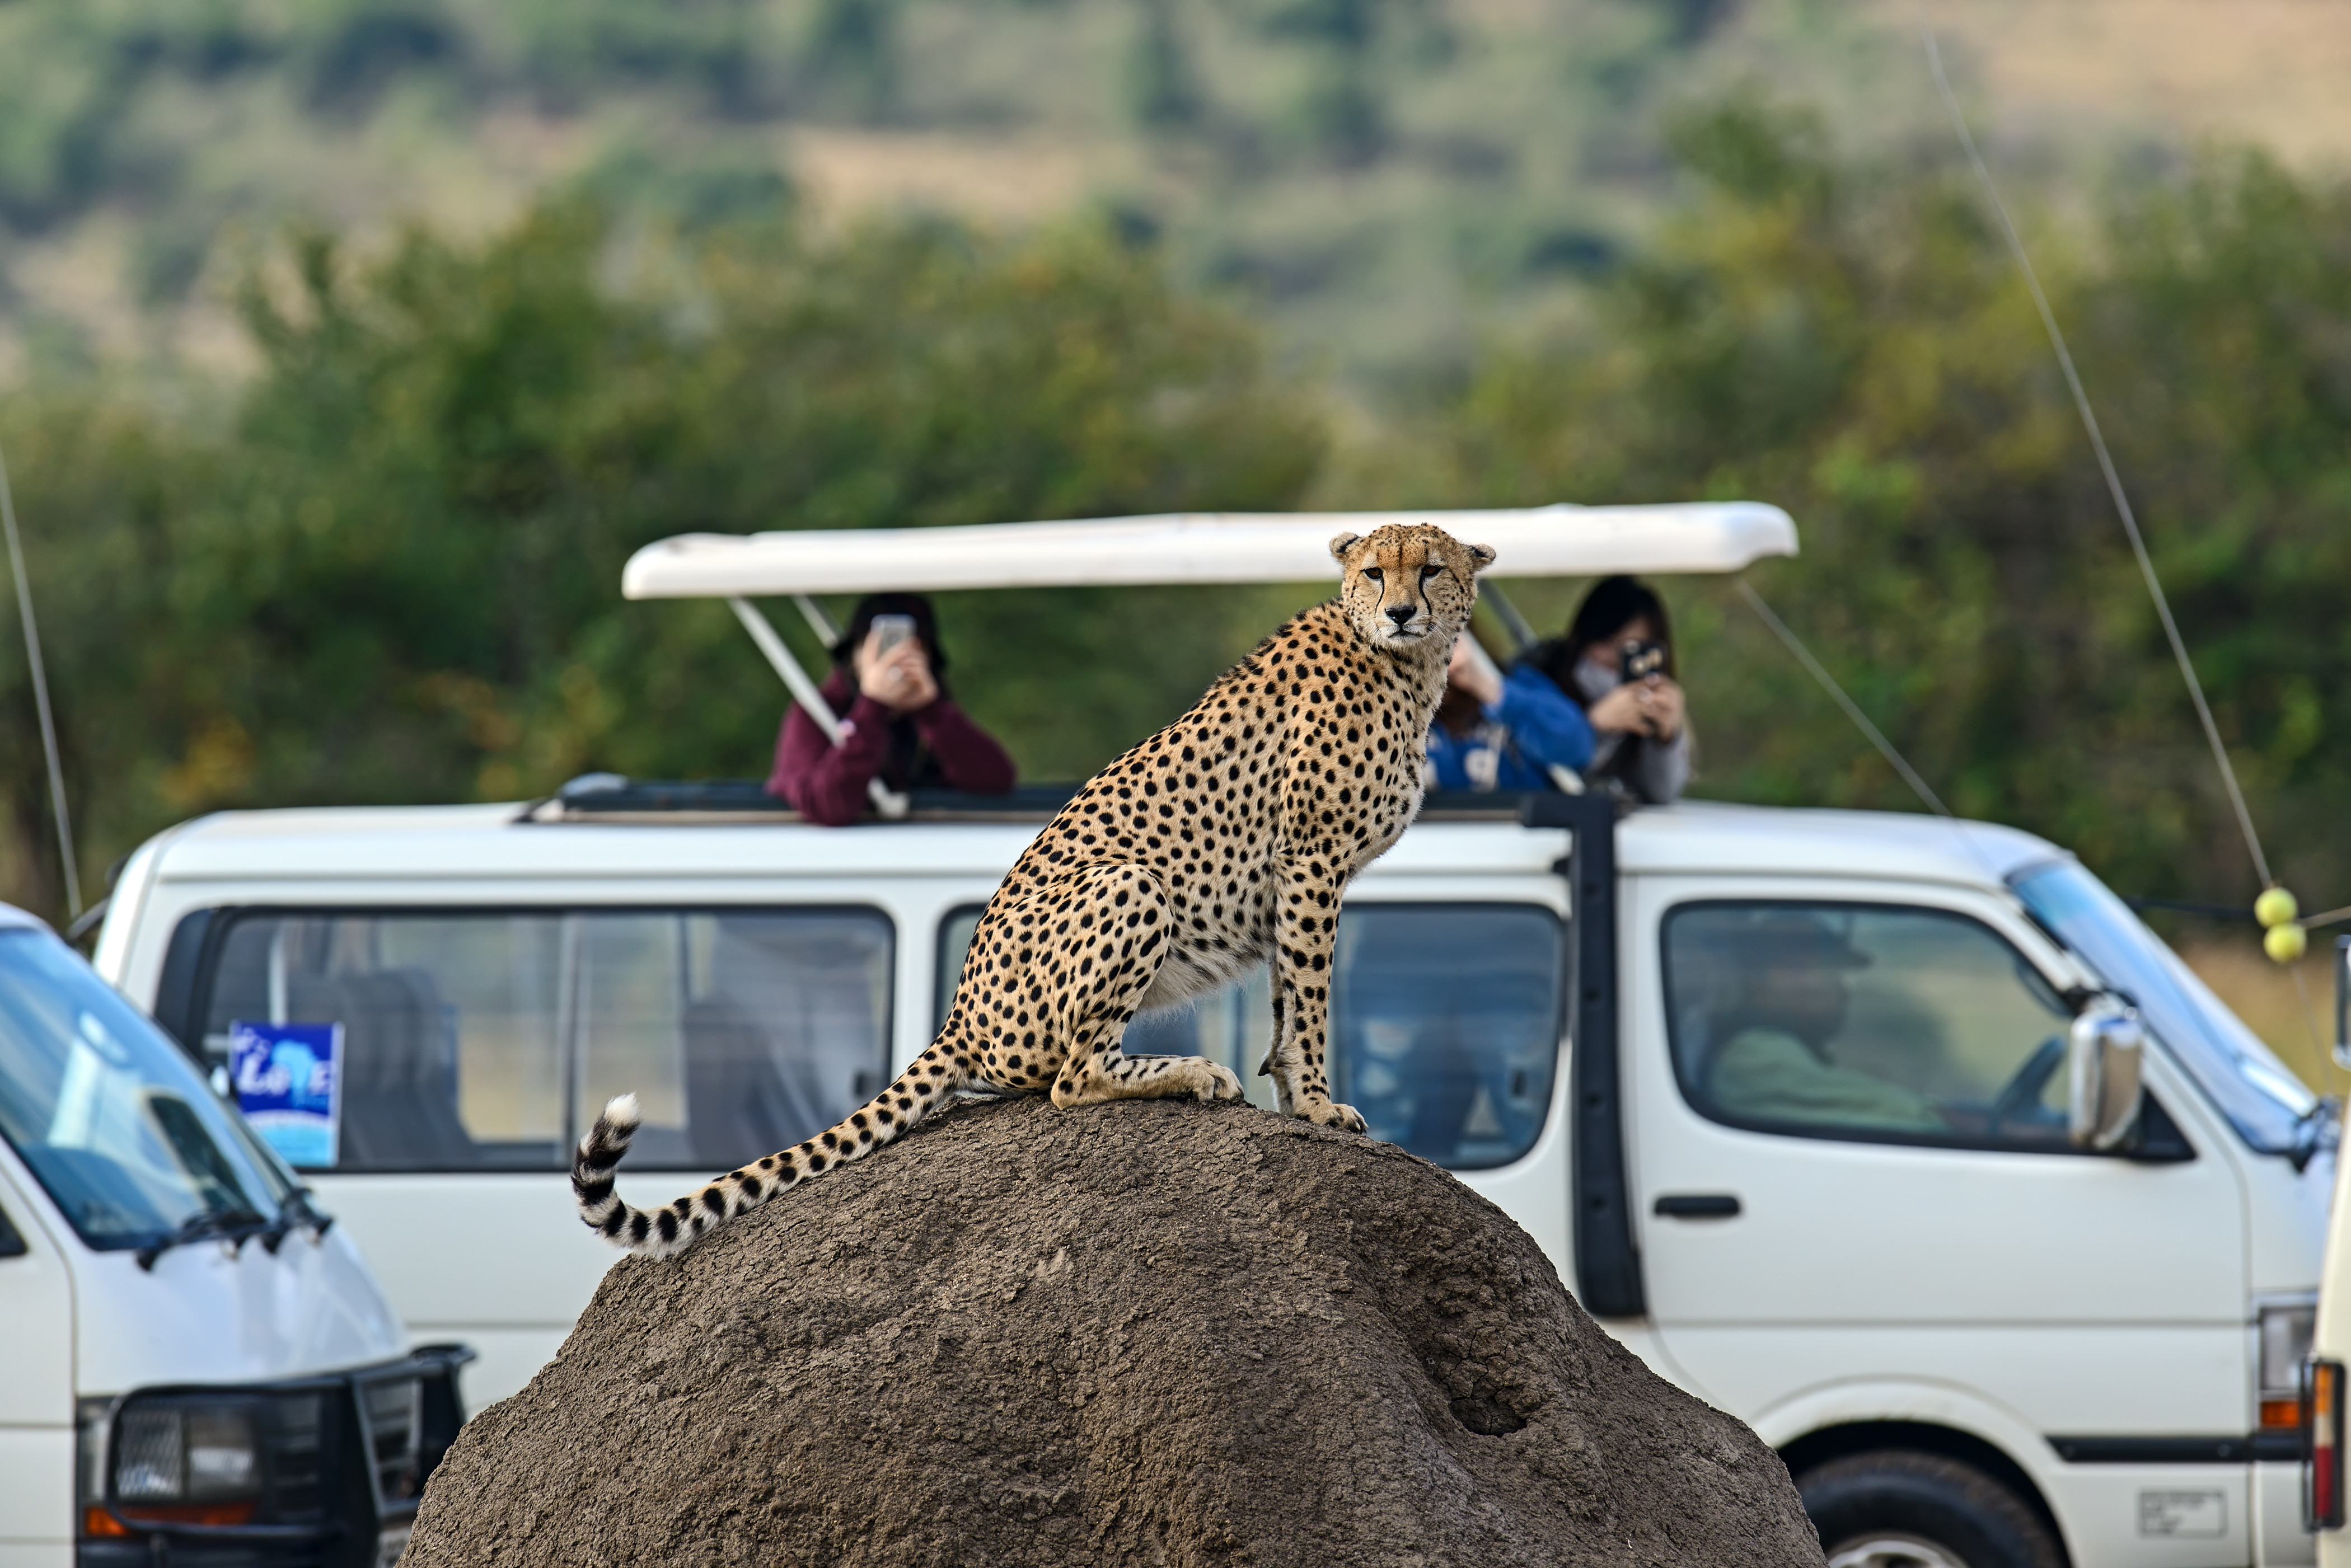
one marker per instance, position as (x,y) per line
(295,1209)
(236,1225)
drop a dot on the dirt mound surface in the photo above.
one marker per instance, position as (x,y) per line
(1151,1334)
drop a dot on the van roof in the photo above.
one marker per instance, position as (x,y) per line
(473,844)
(1194,547)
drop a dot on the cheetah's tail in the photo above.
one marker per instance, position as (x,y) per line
(657,1233)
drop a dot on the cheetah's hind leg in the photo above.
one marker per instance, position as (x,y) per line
(1114,929)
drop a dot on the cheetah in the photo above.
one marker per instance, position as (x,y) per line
(1221,843)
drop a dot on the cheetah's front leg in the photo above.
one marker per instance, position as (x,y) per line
(1306,935)
(1112,927)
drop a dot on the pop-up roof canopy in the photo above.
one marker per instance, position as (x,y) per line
(1178,547)
(1195,548)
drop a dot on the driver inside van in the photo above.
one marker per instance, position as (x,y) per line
(1773,1062)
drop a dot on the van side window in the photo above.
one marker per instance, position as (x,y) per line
(1446,1021)
(485,1041)
(1869,1022)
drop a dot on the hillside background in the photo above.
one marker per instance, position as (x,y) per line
(347,346)
(1384,185)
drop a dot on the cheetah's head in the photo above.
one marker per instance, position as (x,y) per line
(1409,589)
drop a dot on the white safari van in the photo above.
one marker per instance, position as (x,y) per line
(195,1367)
(1900,1138)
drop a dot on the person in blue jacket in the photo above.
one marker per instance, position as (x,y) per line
(1567,714)
(1498,730)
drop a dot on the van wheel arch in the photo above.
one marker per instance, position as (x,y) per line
(1856,1439)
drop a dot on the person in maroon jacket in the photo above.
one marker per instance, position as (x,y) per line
(898,724)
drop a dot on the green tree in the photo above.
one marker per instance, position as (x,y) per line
(99,488)
(1164,91)
(1853,343)
(396,577)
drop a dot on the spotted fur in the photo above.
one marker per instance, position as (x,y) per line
(1223,841)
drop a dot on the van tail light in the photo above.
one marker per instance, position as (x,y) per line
(2322,1444)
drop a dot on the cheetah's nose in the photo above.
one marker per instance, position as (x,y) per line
(1401,614)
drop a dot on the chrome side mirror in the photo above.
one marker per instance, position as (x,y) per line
(2103,1051)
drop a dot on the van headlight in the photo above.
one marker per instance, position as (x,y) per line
(184,1453)
(2283,1333)
(193,1459)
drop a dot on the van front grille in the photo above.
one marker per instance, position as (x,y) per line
(298,1457)
(392,1418)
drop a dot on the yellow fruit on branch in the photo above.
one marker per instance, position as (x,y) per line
(2275,908)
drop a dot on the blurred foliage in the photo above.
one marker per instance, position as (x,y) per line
(396,576)
(1853,344)
(1392,174)
(387,569)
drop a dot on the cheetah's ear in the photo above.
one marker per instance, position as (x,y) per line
(1342,545)
(1480,556)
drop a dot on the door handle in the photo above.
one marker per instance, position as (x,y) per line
(1699,1206)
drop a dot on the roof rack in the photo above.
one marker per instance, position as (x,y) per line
(610,800)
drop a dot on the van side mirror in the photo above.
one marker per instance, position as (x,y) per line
(2342,1002)
(2103,1051)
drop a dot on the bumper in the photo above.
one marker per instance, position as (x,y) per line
(342,1498)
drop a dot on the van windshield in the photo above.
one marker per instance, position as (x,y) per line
(2260,1096)
(107,1114)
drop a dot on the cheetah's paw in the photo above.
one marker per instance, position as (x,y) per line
(1331,1114)
(1221,1085)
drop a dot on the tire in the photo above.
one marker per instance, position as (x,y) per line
(1903,1509)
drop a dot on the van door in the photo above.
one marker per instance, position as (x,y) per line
(37,1390)
(1852,1166)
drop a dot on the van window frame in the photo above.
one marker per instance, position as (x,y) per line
(2160,1140)
(220,919)
(944,989)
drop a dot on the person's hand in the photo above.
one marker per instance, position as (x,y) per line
(1470,673)
(900,679)
(1665,706)
(1622,711)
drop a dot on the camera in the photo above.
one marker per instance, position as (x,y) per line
(1641,661)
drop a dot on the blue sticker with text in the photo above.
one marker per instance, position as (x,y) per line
(288,1079)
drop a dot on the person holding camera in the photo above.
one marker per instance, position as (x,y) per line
(1498,730)
(1616,665)
(898,724)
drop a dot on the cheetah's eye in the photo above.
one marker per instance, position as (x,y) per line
(1372,575)
(1429,572)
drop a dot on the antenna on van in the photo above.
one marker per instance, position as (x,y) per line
(1837,694)
(41,696)
(2089,418)
(2283,937)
